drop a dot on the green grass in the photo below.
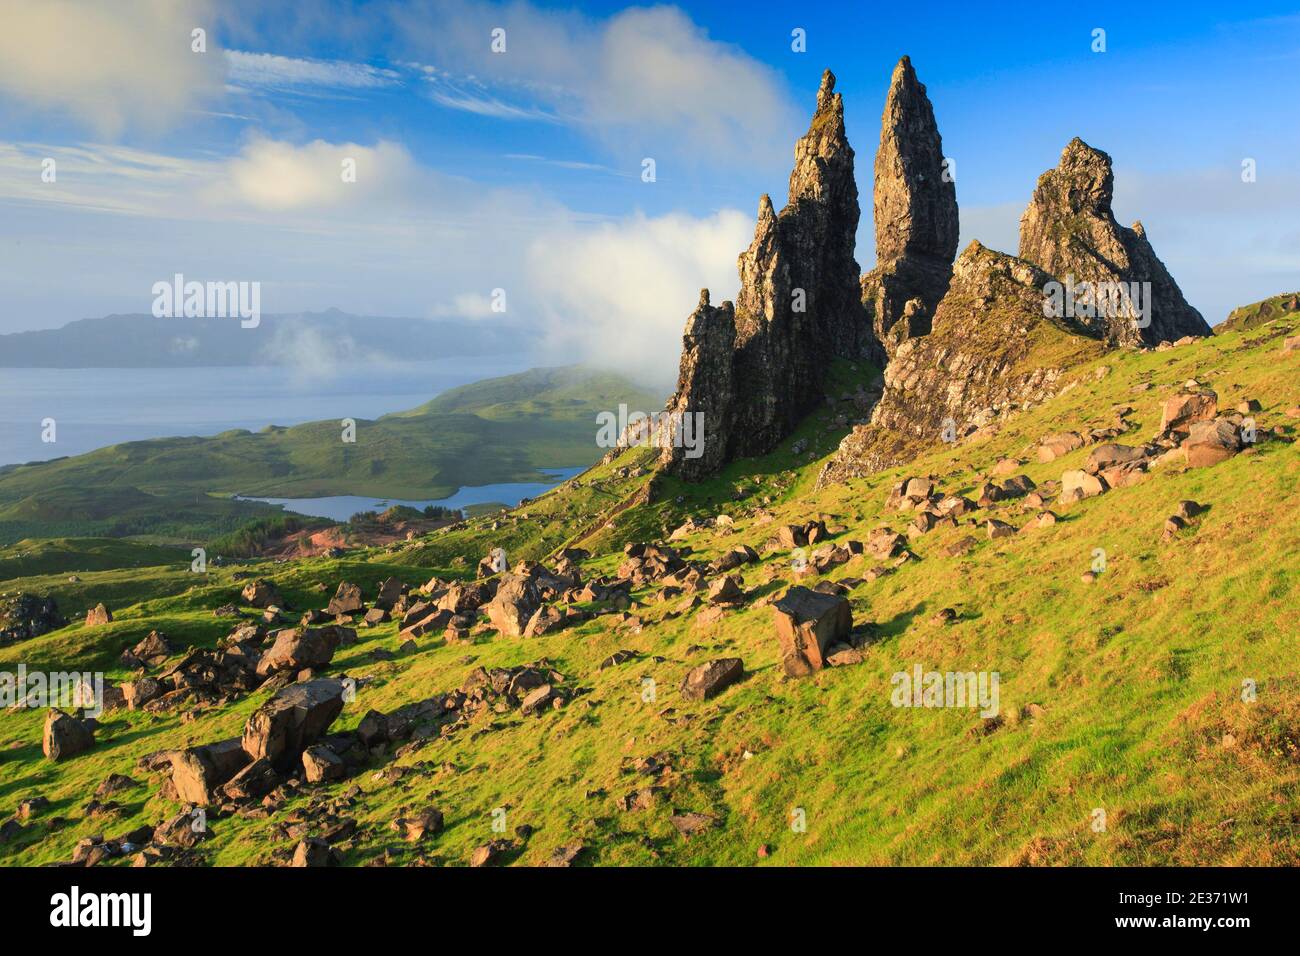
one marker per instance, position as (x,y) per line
(1138,674)
(1252,316)
(497,431)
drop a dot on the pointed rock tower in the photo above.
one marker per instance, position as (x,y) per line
(915,215)
(1070,231)
(756,369)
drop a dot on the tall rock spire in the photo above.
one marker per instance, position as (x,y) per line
(915,204)
(798,309)
(1070,231)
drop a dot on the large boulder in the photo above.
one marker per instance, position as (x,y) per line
(1077,484)
(198,772)
(807,623)
(98,615)
(346,600)
(262,593)
(712,678)
(1211,442)
(65,736)
(517,600)
(291,721)
(391,590)
(299,648)
(321,764)
(1186,408)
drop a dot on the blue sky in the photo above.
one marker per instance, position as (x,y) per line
(522,170)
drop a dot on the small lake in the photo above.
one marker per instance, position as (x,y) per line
(343,507)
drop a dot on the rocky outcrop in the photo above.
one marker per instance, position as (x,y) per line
(915,201)
(24,616)
(755,369)
(991,352)
(1070,231)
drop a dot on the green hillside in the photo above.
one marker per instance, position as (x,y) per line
(499,430)
(1259,313)
(1123,694)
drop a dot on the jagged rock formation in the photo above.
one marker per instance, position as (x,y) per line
(915,203)
(1070,231)
(991,351)
(756,369)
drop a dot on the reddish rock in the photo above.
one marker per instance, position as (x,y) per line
(807,623)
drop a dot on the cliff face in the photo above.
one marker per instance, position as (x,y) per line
(1070,231)
(991,352)
(915,202)
(756,370)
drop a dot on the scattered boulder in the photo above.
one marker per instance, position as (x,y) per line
(726,590)
(292,720)
(313,851)
(1077,484)
(427,822)
(712,678)
(489,854)
(1210,442)
(544,620)
(1054,446)
(517,600)
(65,736)
(807,623)
(261,593)
(98,615)
(346,600)
(296,649)
(999,529)
(1105,457)
(198,772)
(1186,408)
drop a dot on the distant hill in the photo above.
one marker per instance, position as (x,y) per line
(143,341)
(496,431)
(1257,313)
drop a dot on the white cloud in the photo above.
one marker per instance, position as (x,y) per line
(619,293)
(114,66)
(464,305)
(271,72)
(645,79)
(272,175)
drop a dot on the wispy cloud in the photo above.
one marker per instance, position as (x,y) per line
(268,71)
(643,79)
(454,96)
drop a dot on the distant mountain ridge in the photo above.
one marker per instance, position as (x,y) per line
(144,341)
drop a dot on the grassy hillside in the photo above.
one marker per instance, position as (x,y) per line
(1258,313)
(500,430)
(1122,695)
